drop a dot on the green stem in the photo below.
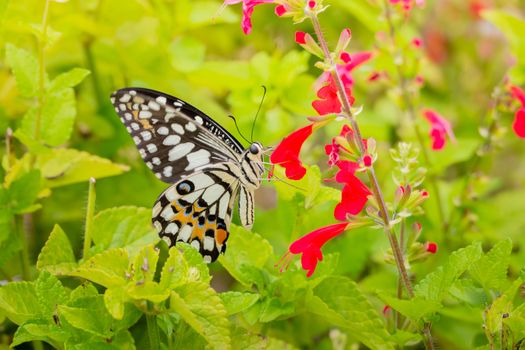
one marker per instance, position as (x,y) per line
(153,332)
(90,212)
(41,70)
(410,109)
(24,252)
(88,53)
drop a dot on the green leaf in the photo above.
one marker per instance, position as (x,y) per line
(40,329)
(123,227)
(50,293)
(501,308)
(57,255)
(200,307)
(453,153)
(94,320)
(236,302)
(339,302)
(25,69)
(108,269)
(151,291)
(516,322)
(68,79)
(245,248)
(23,192)
(491,270)
(67,166)
(145,264)
(114,299)
(18,301)
(437,284)
(184,264)
(415,308)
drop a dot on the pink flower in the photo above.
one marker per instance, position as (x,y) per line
(329,102)
(300,38)
(519,120)
(417,42)
(440,128)
(280,10)
(247,11)
(309,246)
(286,154)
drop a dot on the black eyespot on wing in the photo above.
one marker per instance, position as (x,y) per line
(185,187)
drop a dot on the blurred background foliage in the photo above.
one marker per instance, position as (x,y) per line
(190,50)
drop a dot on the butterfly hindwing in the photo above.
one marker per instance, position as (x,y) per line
(198,209)
(173,137)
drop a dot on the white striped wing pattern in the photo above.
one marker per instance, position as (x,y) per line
(207,167)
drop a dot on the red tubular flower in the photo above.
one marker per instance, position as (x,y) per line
(300,38)
(286,154)
(345,70)
(328,98)
(519,120)
(440,128)
(247,11)
(355,193)
(310,245)
(280,10)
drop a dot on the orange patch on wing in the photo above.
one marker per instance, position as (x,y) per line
(220,236)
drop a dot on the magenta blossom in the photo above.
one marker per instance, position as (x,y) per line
(247,11)
(440,128)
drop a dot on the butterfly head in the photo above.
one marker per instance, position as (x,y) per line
(256,148)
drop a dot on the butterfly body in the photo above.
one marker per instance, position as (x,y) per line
(207,167)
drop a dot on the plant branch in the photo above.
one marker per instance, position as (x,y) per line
(410,109)
(90,212)
(153,331)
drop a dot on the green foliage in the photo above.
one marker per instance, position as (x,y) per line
(127,290)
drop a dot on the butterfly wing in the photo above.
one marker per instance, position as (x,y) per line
(246,212)
(198,209)
(173,137)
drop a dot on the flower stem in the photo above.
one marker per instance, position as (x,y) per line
(153,331)
(410,109)
(376,190)
(90,212)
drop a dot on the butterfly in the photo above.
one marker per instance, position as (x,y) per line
(207,167)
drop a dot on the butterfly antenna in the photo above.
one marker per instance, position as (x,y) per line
(258,110)
(237,127)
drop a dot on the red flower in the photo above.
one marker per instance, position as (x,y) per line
(328,98)
(280,10)
(345,70)
(300,38)
(286,154)
(431,247)
(247,11)
(310,245)
(333,150)
(519,121)
(355,193)
(440,128)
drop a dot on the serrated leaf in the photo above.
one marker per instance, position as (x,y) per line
(245,248)
(94,319)
(415,308)
(85,290)
(49,292)
(67,166)
(25,69)
(516,322)
(121,340)
(200,307)
(68,79)
(123,227)
(501,308)
(57,255)
(436,284)
(339,302)
(108,268)
(151,291)
(145,264)
(184,264)
(18,301)
(273,308)
(40,329)
(491,270)
(114,299)
(236,302)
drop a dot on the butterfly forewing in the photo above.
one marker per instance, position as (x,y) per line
(173,137)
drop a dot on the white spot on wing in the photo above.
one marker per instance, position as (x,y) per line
(157,225)
(167,213)
(223,205)
(212,193)
(171,140)
(145,114)
(172,228)
(151,147)
(207,259)
(171,194)
(163,130)
(167,240)
(125,98)
(167,172)
(196,159)
(180,151)
(190,127)
(185,233)
(178,128)
(156,209)
(209,243)
(154,105)
(146,135)
(196,244)
(199,120)
(161,100)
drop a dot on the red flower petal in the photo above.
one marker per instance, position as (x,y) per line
(519,123)
(286,154)
(300,38)
(329,102)
(247,11)
(431,247)
(280,10)
(310,245)
(518,94)
(440,128)
(354,197)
